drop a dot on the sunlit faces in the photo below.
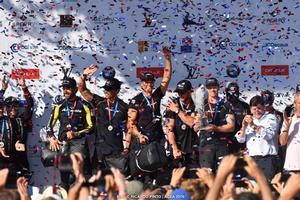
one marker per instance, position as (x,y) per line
(184,95)
(147,86)
(212,91)
(69,92)
(257,111)
(110,94)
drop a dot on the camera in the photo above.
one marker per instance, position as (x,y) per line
(239,172)
(240,163)
(24,173)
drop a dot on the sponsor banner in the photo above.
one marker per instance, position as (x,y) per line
(274,20)
(275,70)
(16,47)
(25,73)
(274,45)
(157,71)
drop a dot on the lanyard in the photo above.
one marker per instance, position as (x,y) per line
(182,106)
(213,114)
(151,105)
(71,113)
(115,109)
(2,129)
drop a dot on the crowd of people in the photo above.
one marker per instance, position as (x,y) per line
(203,146)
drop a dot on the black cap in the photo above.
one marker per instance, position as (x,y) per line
(11,101)
(211,82)
(298,88)
(112,84)
(183,86)
(147,76)
(69,82)
(232,89)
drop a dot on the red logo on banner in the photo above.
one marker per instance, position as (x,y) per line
(275,70)
(157,71)
(25,73)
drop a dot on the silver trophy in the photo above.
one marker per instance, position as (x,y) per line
(204,122)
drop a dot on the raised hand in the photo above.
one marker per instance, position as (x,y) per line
(22,186)
(3,177)
(227,165)
(177,175)
(167,53)
(206,176)
(21,82)
(90,70)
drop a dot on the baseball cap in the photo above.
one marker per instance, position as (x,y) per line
(69,82)
(232,88)
(183,86)
(147,76)
(112,84)
(211,82)
(11,101)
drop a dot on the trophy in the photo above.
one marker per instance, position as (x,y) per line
(204,122)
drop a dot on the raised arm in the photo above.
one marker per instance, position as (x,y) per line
(86,93)
(167,71)
(29,106)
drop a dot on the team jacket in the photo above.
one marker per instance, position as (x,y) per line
(72,115)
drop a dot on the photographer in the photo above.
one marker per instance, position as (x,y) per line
(181,135)
(260,134)
(75,122)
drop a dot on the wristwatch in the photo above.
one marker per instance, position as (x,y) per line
(177,111)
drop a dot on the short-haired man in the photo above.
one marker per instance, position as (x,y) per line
(179,126)
(260,132)
(144,117)
(75,121)
(215,135)
(111,117)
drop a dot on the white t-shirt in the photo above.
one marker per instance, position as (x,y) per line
(292,158)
